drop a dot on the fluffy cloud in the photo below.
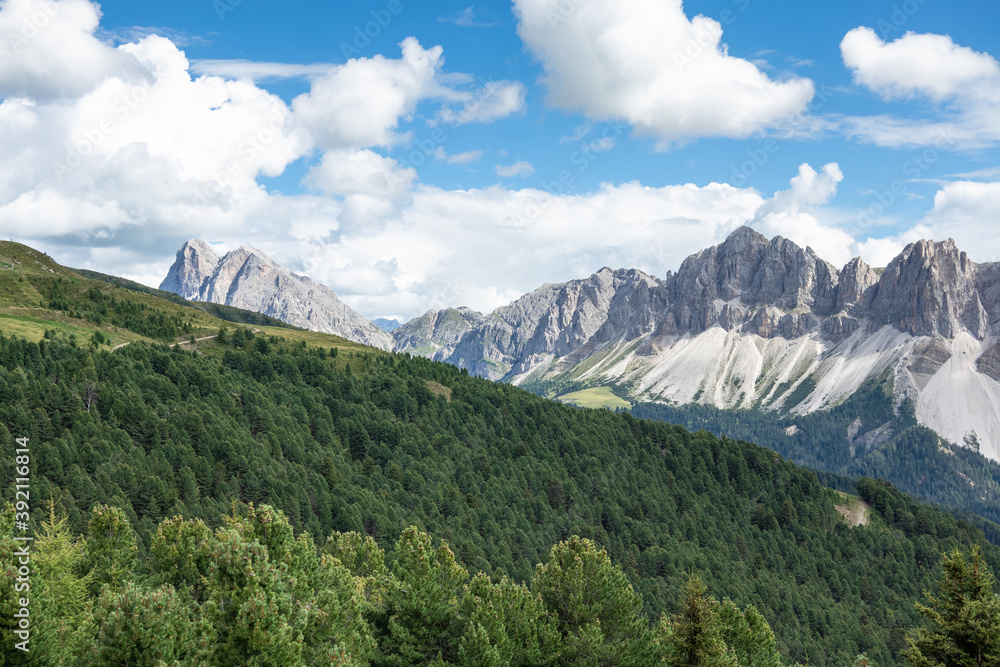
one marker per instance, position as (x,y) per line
(359,104)
(931,65)
(965,83)
(372,187)
(483,248)
(645,62)
(967,211)
(142,154)
(963,210)
(258,71)
(48,49)
(361,172)
(130,148)
(493,100)
(792,213)
(458,158)
(134,159)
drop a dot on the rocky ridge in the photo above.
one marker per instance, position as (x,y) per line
(436,333)
(754,322)
(247,278)
(750,322)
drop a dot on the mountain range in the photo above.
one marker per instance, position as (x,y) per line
(749,323)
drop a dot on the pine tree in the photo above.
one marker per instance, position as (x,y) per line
(508,626)
(748,635)
(59,591)
(693,638)
(598,612)
(136,626)
(964,618)
(111,547)
(422,605)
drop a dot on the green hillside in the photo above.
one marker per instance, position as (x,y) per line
(345,439)
(37,295)
(888,443)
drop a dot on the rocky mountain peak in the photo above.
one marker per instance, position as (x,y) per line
(195,262)
(856,278)
(748,273)
(930,289)
(436,333)
(248,278)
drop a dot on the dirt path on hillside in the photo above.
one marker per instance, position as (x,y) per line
(183,342)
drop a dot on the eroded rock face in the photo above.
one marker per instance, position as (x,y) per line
(930,289)
(989,362)
(747,284)
(247,278)
(195,263)
(436,333)
(556,320)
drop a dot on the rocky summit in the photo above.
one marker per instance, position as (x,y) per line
(247,278)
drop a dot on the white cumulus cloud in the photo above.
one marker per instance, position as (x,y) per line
(968,211)
(359,104)
(646,62)
(928,64)
(361,172)
(964,84)
(48,49)
(492,101)
(792,213)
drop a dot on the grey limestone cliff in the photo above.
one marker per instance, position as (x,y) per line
(195,264)
(247,278)
(435,333)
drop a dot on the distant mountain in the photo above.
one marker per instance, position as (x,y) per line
(247,278)
(749,323)
(387,325)
(436,333)
(764,323)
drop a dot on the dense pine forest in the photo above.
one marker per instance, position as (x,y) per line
(150,455)
(867,435)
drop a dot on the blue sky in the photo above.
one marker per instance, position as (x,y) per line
(541,141)
(792,37)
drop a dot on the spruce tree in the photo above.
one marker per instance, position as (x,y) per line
(59,610)
(693,637)
(964,619)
